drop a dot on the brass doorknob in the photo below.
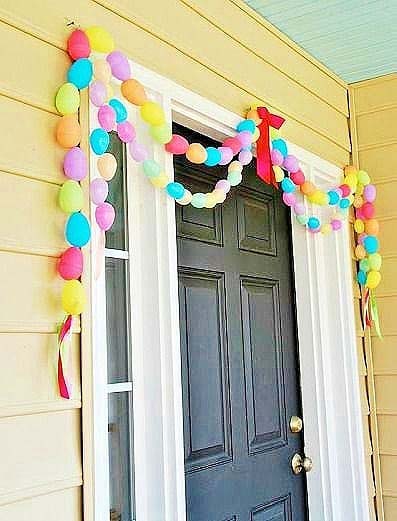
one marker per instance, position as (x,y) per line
(296,424)
(300,464)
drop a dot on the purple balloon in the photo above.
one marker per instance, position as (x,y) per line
(138,152)
(245,157)
(291,163)
(104,216)
(119,64)
(245,138)
(299,208)
(370,193)
(223,184)
(99,190)
(277,157)
(289,199)
(226,155)
(98,93)
(107,117)
(75,164)
(126,131)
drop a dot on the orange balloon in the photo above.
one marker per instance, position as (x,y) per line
(372,227)
(350,169)
(253,114)
(134,92)
(68,132)
(196,153)
(360,251)
(107,166)
(307,188)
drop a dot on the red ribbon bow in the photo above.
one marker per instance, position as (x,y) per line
(264,167)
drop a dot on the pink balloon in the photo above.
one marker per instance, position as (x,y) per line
(226,155)
(289,199)
(277,157)
(104,216)
(245,138)
(126,131)
(119,64)
(299,208)
(75,164)
(336,224)
(98,93)
(291,163)
(70,264)
(99,190)
(138,152)
(223,184)
(370,193)
(177,145)
(107,117)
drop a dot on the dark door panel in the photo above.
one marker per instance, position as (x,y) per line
(239,352)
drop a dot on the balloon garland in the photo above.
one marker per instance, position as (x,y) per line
(259,129)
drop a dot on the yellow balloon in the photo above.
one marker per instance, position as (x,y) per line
(67,100)
(278,173)
(73,297)
(326,229)
(373,279)
(71,197)
(274,133)
(187,197)
(152,113)
(160,181)
(210,200)
(100,40)
(351,180)
(220,195)
(359,226)
(162,133)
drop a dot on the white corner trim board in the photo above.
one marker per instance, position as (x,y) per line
(337,489)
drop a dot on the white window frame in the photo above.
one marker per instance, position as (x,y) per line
(333,434)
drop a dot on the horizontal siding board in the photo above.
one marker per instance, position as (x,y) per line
(376,94)
(389,475)
(28,146)
(28,379)
(373,161)
(166,59)
(384,354)
(387,433)
(39,228)
(377,127)
(385,387)
(39,449)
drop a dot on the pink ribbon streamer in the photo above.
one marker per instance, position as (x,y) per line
(64,337)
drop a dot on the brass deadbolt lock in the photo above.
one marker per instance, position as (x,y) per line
(296,424)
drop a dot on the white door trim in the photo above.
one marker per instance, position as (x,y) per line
(337,486)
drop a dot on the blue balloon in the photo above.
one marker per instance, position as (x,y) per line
(313,223)
(287,185)
(361,277)
(120,110)
(344,203)
(80,73)
(213,156)
(99,141)
(281,146)
(371,244)
(78,231)
(175,190)
(333,197)
(246,124)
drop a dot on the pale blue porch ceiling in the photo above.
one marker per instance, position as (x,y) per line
(357,39)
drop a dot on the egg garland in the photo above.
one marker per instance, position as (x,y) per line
(91,71)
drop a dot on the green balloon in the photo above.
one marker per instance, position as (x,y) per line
(234,177)
(151,168)
(70,197)
(162,133)
(198,200)
(375,261)
(364,265)
(67,100)
(302,219)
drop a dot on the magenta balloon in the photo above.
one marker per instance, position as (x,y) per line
(138,152)
(226,155)
(126,131)
(98,190)
(75,164)
(98,93)
(104,216)
(119,65)
(107,117)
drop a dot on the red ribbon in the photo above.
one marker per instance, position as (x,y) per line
(264,167)
(64,333)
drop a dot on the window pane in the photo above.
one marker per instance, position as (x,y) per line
(120,457)
(116,236)
(117,320)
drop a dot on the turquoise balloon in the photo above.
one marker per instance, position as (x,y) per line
(287,185)
(371,244)
(344,203)
(361,277)
(281,146)
(198,200)
(175,190)
(246,124)
(78,231)
(80,73)
(120,110)
(333,197)
(99,141)
(313,223)
(151,168)
(213,156)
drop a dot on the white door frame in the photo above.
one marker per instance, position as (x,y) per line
(337,486)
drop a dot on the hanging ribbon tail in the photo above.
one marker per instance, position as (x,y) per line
(375,315)
(99,254)
(264,166)
(64,338)
(366,310)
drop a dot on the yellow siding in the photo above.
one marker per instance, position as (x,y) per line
(374,121)
(233,60)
